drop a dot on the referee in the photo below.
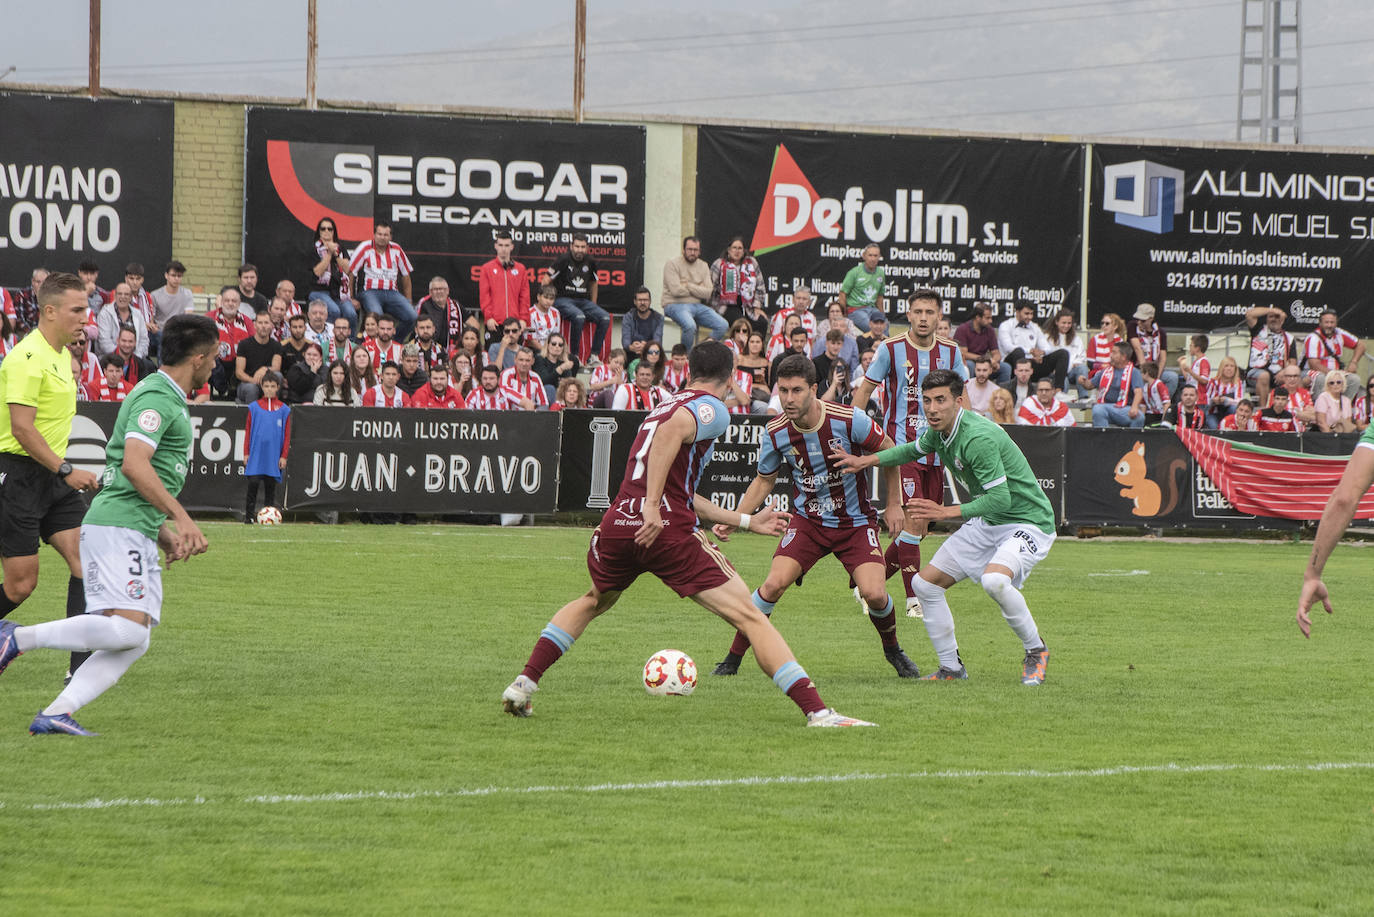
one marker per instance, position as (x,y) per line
(38,486)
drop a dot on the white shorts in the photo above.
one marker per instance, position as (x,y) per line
(122,570)
(1017,546)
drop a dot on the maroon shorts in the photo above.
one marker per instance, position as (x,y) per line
(806,542)
(924,481)
(685,565)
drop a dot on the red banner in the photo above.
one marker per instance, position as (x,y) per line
(1271,482)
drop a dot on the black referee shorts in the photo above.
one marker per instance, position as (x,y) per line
(34,503)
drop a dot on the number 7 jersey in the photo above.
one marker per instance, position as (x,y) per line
(623,519)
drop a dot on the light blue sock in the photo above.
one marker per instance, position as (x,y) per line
(560,637)
(761,605)
(788,674)
(909,537)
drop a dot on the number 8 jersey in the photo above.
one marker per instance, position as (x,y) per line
(623,519)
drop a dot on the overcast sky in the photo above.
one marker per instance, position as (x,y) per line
(1141,68)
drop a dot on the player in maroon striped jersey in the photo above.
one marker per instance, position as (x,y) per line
(651,527)
(900,364)
(833,514)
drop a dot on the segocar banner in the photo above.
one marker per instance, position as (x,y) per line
(84,180)
(995,221)
(1206,235)
(447,185)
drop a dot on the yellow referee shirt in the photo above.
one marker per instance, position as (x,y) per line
(34,374)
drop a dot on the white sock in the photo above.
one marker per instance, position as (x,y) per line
(939,622)
(1014,608)
(82,632)
(96,675)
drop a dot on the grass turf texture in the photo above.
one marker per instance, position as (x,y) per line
(367,662)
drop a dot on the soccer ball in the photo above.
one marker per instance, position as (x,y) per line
(670,672)
(269,515)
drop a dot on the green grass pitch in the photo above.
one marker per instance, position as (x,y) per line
(316,729)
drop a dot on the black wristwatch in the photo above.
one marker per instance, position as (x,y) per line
(64,469)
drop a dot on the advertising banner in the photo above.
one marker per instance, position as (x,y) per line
(996,221)
(1148,478)
(447,185)
(1205,235)
(84,180)
(422,461)
(596,449)
(214,480)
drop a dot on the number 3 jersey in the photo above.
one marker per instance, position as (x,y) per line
(821,494)
(623,519)
(154,413)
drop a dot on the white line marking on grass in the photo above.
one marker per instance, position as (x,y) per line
(1124,770)
(1122,573)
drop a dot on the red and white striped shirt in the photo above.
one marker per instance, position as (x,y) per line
(1201,367)
(380,269)
(1034,414)
(1099,350)
(382,354)
(543,324)
(1298,400)
(1156,400)
(607,373)
(1232,391)
(106,392)
(745,380)
(1230,423)
(777,345)
(376,397)
(808,321)
(483,400)
(1359,409)
(431,354)
(91,373)
(630,397)
(531,387)
(1323,354)
(674,379)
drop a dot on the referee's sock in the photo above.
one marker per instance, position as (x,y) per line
(76,605)
(7,604)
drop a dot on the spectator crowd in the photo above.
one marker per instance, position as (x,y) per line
(354,335)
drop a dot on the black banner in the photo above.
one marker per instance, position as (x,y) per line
(996,221)
(422,461)
(1044,449)
(214,480)
(446,184)
(1147,478)
(1205,235)
(84,180)
(596,448)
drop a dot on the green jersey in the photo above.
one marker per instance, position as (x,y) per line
(862,287)
(155,413)
(1002,489)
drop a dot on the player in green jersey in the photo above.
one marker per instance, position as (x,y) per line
(1008,523)
(1340,510)
(145,467)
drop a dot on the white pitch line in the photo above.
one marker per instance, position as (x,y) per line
(1124,770)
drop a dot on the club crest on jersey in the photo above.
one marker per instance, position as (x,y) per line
(909,487)
(836,444)
(706,413)
(787,539)
(134,589)
(958,464)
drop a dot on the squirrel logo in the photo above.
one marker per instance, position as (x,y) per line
(1145,495)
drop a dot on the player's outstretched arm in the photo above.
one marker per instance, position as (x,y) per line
(753,498)
(766,521)
(1336,517)
(138,468)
